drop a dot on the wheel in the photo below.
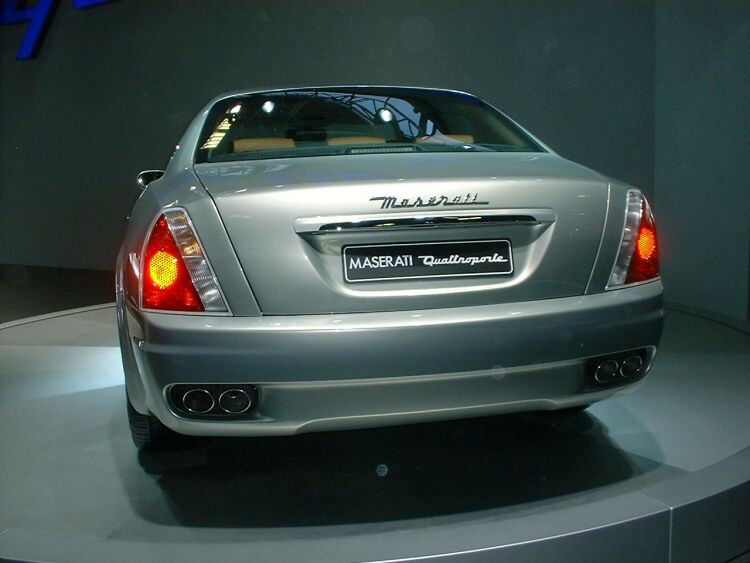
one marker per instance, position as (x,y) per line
(150,435)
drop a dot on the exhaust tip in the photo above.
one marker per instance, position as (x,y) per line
(211,400)
(198,401)
(606,371)
(631,366)
(618,368)
(235,401)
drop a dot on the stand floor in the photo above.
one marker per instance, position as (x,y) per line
(659,474)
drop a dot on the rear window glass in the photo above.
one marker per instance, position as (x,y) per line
(290,123)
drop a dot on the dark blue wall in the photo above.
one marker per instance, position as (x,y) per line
(114,86)
(703,152)
(653,92)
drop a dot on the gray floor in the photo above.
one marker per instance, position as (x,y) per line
(661,473)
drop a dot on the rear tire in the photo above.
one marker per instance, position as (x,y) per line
(150,435)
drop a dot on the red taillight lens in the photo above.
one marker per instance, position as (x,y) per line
(646,243)
(638,257)
(644,265)
(166,281)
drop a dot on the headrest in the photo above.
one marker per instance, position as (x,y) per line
(261,144)
(356,140)
(444,138)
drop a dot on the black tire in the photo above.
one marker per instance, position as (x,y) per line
(150,435)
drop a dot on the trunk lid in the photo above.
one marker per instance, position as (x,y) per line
(290,221)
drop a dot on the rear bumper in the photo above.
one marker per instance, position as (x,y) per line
(323,372)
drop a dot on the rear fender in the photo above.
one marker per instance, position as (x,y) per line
(133,383)
(183,189)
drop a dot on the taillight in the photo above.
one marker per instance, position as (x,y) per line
(175,274)
(638,258)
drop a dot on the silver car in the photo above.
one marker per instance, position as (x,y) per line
(334,258)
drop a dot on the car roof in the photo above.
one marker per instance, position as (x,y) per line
(236,93)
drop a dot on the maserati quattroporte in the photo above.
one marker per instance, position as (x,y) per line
(342,257)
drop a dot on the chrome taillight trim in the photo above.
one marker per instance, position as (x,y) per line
(199,268)
(201,274)
(633,210)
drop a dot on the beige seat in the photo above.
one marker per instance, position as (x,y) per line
(262,144)
(446,138)
(356,140)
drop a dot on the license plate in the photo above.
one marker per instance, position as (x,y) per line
(377,262)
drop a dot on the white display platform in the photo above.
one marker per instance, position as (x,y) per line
(659,474)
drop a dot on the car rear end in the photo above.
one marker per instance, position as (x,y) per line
(316,278)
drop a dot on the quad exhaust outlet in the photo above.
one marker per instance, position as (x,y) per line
(212,399)
(618,368)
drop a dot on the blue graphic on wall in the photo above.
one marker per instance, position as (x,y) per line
(39,17)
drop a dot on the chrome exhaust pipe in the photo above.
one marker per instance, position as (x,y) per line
(198,401)
(606,371)
(235,401)
(619,368)
(631,366)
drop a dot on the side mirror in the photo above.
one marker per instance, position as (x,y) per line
(148,176)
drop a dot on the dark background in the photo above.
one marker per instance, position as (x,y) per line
(654,93)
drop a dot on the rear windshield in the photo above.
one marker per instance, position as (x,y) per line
(342,121)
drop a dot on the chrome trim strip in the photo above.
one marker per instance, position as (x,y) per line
(401,221)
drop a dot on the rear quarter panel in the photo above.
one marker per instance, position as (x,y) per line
(182,189)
